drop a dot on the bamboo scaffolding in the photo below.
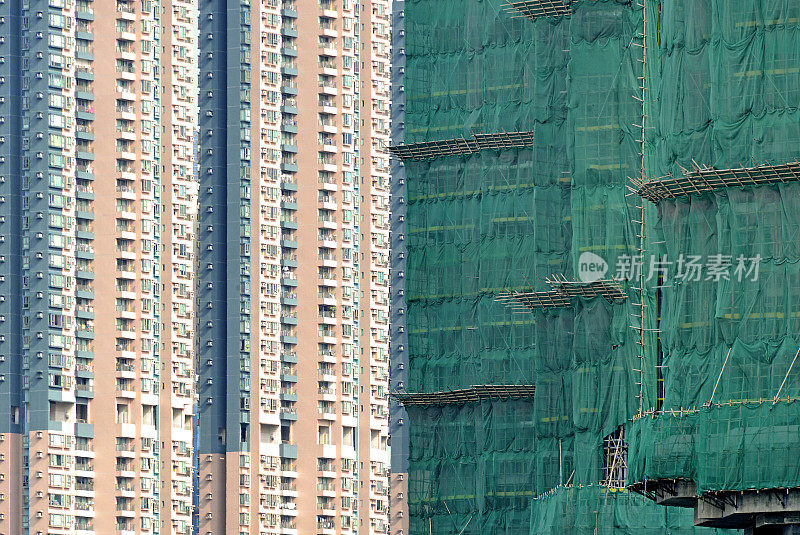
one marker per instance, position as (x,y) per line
(473,394)
(531,9)
(706,179)
(562,293)
(429,150)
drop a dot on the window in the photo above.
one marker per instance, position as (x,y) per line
(56,521)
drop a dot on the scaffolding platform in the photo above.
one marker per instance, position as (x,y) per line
(706,179)
(526,301)
(429,150)
(610,289)
(473,394)
(562,293)
(531,9)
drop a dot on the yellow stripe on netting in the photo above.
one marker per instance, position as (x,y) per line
(459,328)
(488,189)
(596,128)
(440,227)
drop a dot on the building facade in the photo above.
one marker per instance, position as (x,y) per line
(292,331)
(398,428)
(96,229)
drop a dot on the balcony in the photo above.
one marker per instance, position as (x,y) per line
(83,506)
(84,367)
(86,467)
(86,486)
(83,444)
(125,8)
(124,467)
(84,288)
(82,524)
(84,52)
(84,70)
(328,28)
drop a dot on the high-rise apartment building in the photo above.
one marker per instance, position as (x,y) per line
(97,196)
(292,332)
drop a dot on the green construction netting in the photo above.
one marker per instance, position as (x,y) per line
(598,510)
(725,84)
(477,462)
(505,220)
(725,93)
(720,448)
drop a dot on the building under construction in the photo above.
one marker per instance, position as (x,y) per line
(602,282)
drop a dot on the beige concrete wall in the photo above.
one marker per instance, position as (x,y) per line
(211,492)
(398,521)
(11,485)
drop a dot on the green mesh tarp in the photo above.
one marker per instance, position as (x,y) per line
(504,220)
(474,463)
(720,448)
(597,510)
(722,89)
(725,91)
(725,86)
